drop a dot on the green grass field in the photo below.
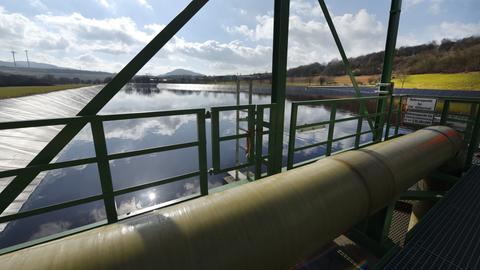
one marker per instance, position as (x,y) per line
(457,81)
(18,91)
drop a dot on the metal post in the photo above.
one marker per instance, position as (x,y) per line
(259,142)
(291,137)
(202,153)
(389,115)
(473,145)
(279,80)
(346,63)
(446,108)
(250,91)
(237,129)
(96,104)
(378,223)
(386,78)
(359,130)
(331,129)
(98,134)
(399,115)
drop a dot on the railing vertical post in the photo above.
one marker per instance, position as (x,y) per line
(251,134)
(259,142)
(473,140)
(60,140)
(346,63)
(446,108)
(380,220)
(279,81)
(359,130)
(291,136)
(100,144)
(389,115)
(202,152)
(399,115)
(386,78)
(331,129)
(215,140)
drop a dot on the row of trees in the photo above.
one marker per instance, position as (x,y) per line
(24,80)
(447,57)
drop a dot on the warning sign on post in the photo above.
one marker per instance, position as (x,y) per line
(420,111)
(421,104)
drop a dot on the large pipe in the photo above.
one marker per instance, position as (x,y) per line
(269,224)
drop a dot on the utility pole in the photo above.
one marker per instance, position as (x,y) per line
(14,63)
(28,61)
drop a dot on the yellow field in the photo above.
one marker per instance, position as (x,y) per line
(18,91)
(457,81)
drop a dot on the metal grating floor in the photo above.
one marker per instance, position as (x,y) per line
(449,236)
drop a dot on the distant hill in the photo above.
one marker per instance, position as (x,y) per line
(24,64)
(57,72)
(450,56)
(182,73)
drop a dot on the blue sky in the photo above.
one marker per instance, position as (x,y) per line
(225,37)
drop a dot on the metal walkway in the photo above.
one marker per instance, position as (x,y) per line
(19,146)
(449,236)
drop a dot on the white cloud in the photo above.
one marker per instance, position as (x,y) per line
(38,4)
(263,29)
(145,4)
(411,3)
(433,6)
(310,38)
(104,3)
(455,30)
(304,8)
(51,228)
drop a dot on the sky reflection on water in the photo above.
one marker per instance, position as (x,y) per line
(127,135)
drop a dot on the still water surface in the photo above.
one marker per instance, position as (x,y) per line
(126,135)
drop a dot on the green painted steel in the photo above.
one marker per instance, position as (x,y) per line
(472,130)
(473,145)
(102,159)
(292,136)
(101,153)
(386,85)
(202,152)
(217,139)
(334,105)
(346,63)
(54,147)
(260,124)
(377,225)
(331,129)
(342,189)
(279,81)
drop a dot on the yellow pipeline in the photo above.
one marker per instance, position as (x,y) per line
(269,224)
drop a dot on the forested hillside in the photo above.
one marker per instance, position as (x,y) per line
(447,57)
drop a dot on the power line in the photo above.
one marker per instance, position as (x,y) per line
(28,61)
(14,62)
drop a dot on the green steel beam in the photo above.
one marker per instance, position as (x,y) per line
(473,145)
(346,63)
(388,62)
(54,147)
(103,164)
(202,153)
(380,222)
(279,81)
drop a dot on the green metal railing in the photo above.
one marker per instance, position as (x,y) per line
(464,117)
(335,105)
(261,124)
(217,139)
(102,159)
